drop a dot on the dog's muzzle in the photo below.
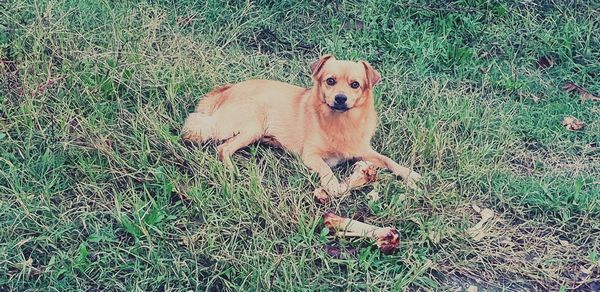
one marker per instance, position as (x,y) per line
(340,103)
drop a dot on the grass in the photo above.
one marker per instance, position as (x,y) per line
(98,192)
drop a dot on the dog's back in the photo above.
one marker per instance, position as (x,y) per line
(243,107)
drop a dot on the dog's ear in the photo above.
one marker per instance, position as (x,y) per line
(315,67)
(373,77)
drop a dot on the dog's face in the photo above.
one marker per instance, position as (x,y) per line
(343,85)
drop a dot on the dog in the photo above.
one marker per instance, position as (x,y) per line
(331,122)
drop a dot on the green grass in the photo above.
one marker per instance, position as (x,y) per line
(97,190)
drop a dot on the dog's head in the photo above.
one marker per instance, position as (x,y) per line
(343,85)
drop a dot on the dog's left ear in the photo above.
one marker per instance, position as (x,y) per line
(373,77)
(315,67)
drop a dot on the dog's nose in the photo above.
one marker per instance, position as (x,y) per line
(340,99)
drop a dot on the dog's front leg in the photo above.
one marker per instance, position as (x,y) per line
(380,160)
(328,180)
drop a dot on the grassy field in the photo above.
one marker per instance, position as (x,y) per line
(97,192)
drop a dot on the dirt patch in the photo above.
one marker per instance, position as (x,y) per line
(10,78)
(537,254)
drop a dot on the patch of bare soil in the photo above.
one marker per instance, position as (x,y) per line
(505,248)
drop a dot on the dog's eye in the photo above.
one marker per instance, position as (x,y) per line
(354,85)
(330,81)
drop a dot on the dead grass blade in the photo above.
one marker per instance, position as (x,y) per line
(583,93)
(573,124)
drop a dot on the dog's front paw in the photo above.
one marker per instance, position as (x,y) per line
(332,188)
(329,191)
(321,195)
(412,179)
(335,189)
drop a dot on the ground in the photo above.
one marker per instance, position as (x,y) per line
(97,191)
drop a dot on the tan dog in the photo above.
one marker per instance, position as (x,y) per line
(331,122)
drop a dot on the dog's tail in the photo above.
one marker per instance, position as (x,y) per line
(213,100)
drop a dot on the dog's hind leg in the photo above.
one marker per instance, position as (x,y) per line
(233,144)
(198,127)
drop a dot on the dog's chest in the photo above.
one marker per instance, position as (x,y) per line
(342,147)
(337,155)
(346,137)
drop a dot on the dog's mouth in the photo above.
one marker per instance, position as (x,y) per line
(338,109)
